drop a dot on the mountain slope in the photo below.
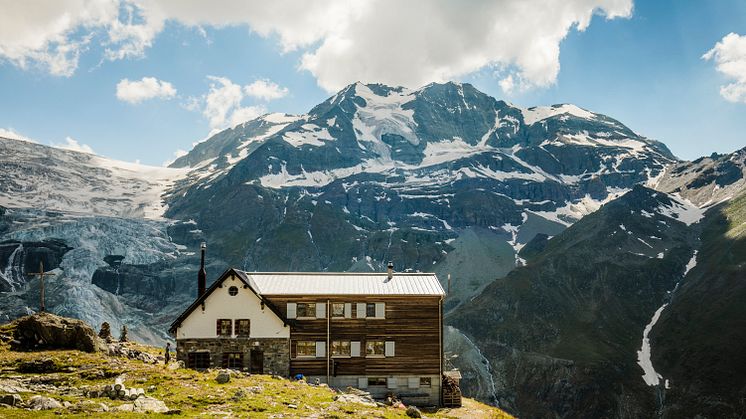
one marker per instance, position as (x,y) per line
(562,333)
(698,343)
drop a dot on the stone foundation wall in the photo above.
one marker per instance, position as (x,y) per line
(420,396)
(276,357)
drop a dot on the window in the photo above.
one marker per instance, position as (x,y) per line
(305,348)
(338,309)
(233,291)
(376,381)
(243,327)
(374,348)
(224,327)
(233,360)
(370,310)
(341,348)
(198,360)
(425,382)
(307,310)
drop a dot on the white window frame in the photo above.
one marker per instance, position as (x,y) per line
(297,355)
(335,316)
(340,356)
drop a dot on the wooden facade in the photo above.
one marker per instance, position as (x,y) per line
(413,324)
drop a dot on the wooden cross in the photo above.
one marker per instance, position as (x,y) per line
(41,274)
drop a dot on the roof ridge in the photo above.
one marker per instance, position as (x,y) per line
(341,273)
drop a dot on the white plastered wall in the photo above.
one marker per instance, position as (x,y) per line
(221,305)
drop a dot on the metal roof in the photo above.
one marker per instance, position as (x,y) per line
(295,283)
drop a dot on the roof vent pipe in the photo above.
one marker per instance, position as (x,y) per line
(390,270)
(202,274)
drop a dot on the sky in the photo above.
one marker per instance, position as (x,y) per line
(144,81)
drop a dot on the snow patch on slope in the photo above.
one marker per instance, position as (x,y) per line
(539,113)
(650,376)
(682,210)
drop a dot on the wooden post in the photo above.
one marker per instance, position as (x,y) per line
(41,274)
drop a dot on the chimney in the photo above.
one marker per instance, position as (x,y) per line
(202,274)
(390,270)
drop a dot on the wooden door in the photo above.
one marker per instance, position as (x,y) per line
(257,362)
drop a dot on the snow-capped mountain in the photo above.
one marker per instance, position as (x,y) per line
(443,178)
(428,178)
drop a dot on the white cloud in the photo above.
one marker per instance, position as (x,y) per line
(222,105)
(507,84)
(224,96)
(411,42)
(265,90)
(144,89)
(73,145)
(246,113)
(13,135)
(730,58)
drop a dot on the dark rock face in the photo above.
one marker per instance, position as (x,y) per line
(48,331)
(19,258)
(145,280)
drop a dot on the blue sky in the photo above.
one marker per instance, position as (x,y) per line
(645,69)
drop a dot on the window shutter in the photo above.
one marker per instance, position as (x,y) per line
(413,382)
(389,350)
(354,348)
(234,327)
(291,310)
(348,310)
(362,382)
(391,381)
(360,310)
(320,349)
(380,310)
(217,327)
(320,310)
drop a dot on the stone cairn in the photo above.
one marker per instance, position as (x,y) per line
(105,332)
(117,391)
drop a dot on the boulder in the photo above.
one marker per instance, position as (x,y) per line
(11,399)
(413,412)
(127,407)
(48,331)
(146,404)
(88,406)
(223,377)
(43,403)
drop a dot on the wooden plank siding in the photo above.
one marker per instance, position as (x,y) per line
(412,322)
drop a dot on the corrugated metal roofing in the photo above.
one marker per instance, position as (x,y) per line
(291,283)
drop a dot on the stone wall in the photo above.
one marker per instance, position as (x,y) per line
(276,357)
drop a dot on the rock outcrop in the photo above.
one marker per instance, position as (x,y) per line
(48,331)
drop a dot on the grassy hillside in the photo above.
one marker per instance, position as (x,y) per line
(188,393)
(698,343)
(562,333)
